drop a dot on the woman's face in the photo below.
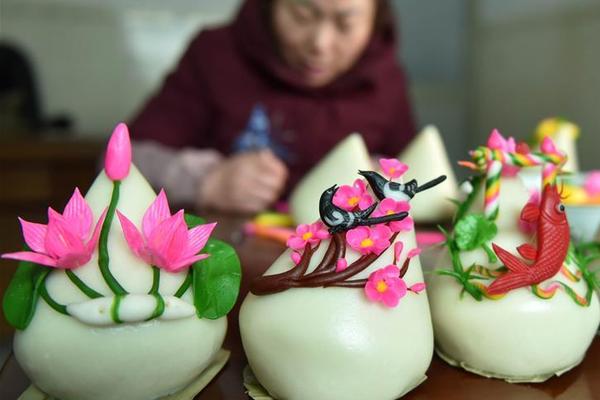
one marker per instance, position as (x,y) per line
(322,39)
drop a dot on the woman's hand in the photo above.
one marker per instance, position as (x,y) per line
(246,182)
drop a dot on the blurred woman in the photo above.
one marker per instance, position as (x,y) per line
(254,105)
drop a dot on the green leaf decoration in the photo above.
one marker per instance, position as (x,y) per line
(20,299)
(216,280)
(193,221)
(463,208)
(473,231)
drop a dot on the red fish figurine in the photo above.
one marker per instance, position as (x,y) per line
(552,245)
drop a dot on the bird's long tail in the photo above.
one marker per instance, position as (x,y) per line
(386,218)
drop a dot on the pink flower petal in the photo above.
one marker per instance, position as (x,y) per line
(133,237)
(360,185)
(496,141)
(31,257)
(168,240)
(93,242)
(405,225)
(155,214)
(414,252)
(398,246)
(302,229)
(60,240)
(184,263)
(296,243)
(295,256)
(418,287)
(548,145)
(35,235)
(346,198)
(365,202)
(341,265)
(79,215)
(392,167)
(118,154)
(197,238)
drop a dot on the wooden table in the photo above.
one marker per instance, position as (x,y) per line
(445,382)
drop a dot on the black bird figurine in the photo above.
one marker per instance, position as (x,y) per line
(394,190)
(339,220)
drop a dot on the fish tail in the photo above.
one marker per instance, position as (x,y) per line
(507,282)
(512,262)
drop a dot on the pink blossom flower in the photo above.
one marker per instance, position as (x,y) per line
(165,240)
(367,240)
(349,197)
(65,242)
(385,286)
(341,265)
(592,183)
(497,142)
(305,233)
(118,154)
(392,167)
(390,206)
(526,226)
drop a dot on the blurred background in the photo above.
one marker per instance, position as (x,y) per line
(71,69)
(473,65)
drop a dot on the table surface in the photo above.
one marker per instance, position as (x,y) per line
(256,254)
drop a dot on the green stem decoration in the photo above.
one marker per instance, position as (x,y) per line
(114,310)
(160,302)
(490,253)
(88,291)
(466,205)
(56,306)
(155,280)
(103,257)
(185,285)
(160,307)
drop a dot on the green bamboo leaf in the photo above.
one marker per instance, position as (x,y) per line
(216,280)
(20,299)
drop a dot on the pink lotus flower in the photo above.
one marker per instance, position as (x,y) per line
(390,206)
(165,240)
(497,142)
(386,286)
(392,167)
(367,240)
(349,197)
(592,183)
(530,227)
(65,242)
(118,154)
(305,233)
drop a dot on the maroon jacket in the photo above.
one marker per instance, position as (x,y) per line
(225,72)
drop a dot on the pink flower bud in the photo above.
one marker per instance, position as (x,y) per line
(118,154)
